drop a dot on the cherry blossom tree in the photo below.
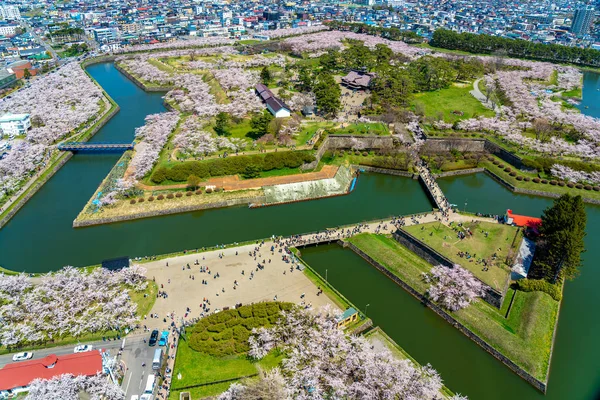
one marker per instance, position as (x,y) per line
(69,387)
(453,288)
(322,362)
(67,302)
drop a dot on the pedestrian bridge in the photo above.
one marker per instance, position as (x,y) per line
(94,147)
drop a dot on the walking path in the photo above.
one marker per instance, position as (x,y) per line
(482,97)
(434,189)
(233,182)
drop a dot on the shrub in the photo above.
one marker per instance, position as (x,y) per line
(160,197)
(538,285)
(553,182)
(132,201)
(151,198)
(357,153)
(198,191)
(141,200)
(217,328)
(208,190)
(527,179)
(365,153)
(536,180)
(159,175)
(495,162)
(570,184)
(587,187)
(179,194)
(170,196)
(561,183)
(597,188)
(579,186)
(218,189)
(513,173)
(544,181)
(189,194)
(245,312)
(507,169)
(519,178)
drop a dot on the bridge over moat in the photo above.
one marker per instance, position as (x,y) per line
(94,147)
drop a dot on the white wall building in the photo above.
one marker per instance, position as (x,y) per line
(8,29)
(15,124)
(10,12)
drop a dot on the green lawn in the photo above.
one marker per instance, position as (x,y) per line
(454,98)
(144,304)
(497,170)
(525,336)
(364,128)
(445,241)
(198,368)
(577,93)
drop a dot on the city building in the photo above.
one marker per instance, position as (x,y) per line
(16,377)
(103,35)
(10,12)
(582,20)
(7,78)
(15,124)
(8,29)
(19,67)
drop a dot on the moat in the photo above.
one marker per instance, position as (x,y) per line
(41,238)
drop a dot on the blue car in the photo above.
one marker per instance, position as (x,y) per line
(163,338)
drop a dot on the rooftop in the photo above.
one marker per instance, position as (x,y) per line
(21,374)
(13,117)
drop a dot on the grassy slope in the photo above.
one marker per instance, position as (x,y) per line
(445,241)
(450,99)
(525,336)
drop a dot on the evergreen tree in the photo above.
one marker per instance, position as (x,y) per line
(222,124)
(563,230)
(328,92)
(265,75)
(260,123)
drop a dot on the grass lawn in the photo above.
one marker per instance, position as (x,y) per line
(577,93)
(453,98)
(362,128)
(198,368)
(497,170)
(241,129)
(446,242)
(144,304)
(525,336)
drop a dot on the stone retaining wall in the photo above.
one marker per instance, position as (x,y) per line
(368,142)
(532,192)
(437,145)
(504,154)
(386,171)
(176,210)
(140,84)
(491,295)
(34,188)
(459,172)
(542,386)
(97,60)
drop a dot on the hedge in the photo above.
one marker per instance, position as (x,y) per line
(227,332)
(180,172)
(539,285)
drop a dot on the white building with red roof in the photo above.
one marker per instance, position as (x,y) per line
(16,377)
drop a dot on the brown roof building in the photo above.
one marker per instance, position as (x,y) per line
(358,80)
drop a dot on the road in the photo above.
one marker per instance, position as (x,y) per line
(112,346)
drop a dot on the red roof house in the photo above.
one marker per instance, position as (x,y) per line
(21,374)
(523,220)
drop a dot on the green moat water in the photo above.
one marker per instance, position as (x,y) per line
(41,238)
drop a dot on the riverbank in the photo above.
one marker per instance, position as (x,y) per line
(58,161)
(520,334)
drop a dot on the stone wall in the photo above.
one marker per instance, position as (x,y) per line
(542,386)
(459,172)
(140,84)
(228,203)
(437,145)
(491,295)
(387,171)
(367,142)
(97,60)
(37,185)
(504,155)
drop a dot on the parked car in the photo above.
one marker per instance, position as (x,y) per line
(22,356)
(82,348)
(153,338)
(163,338)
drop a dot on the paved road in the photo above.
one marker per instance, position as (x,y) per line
(135,353)
(112,345)
(480,96)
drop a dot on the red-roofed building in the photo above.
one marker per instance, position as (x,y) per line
(523,220)
(16,377)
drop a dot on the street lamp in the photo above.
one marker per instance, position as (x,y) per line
(326,276)
(366,307)
(465,205)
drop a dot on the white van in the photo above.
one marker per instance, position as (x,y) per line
(150,384)
(157,361)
